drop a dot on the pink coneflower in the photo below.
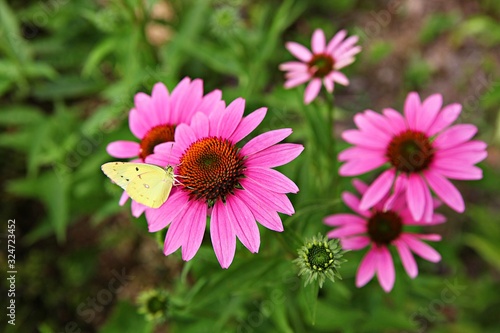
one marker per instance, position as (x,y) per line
(422,151)
(380,228)
(234,186)
(322,64)
(154,119)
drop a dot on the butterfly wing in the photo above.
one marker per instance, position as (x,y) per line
(152,185)
(121,173)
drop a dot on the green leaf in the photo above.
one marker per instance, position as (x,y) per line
(125,319)
(20,115)
(53,192)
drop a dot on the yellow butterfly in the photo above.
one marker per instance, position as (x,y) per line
(147,184)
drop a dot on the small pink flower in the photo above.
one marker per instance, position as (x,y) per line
(154,119)
(236,187)
(422,152)
(380,228)
(322,65)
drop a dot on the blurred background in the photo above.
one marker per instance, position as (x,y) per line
(68,72)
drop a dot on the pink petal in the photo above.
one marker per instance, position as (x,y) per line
(137,208)
(176,233)
(274,156)
(123,149)
(196,218)
(445,190)
(312,90)
(248,124)
(161,217)
(262,213)
(469,157)
(459,172)
(137,123)
(385,269)
(383,123)
(355,243)
(231,118)
(430,109)
(318,41)
(178,98)
(335,41)
(345,46)
(123,198)
(272,180)
(339,78)
(293,66)
(359,185)
(398,123)
(445,118)
(144,104)
(297,80)
(455,136)
(352,202)
(342,219)
(420,248)
(407,259)
(329,85)
(415,196)
(366,125)
(211,102)
(348,230)
(366,268)
(264,141)
(184,136)
(363,139)
(361,166)
(396,200)
(347,55)
(378,189)
(161,101)
(412,110)
(276,201)
(343,62)
(199,125)
(429,237)
(299,51)
(360,154)
(222,235)
(243,223)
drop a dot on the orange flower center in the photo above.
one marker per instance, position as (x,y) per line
(155,136)
(410,151)
(384,227)
(320,65)
(211,169)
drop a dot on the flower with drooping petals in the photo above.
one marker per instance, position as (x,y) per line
(380,228)
(236,187)
(322,65)
(423,152)
(154,118)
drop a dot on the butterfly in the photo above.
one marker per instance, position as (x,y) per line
(147,184)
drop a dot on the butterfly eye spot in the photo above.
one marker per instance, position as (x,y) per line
(146,185)
(136,169)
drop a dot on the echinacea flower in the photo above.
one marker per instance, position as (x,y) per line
(381,228)
(322,65)
(154,118)
(320,259)
(421,152)
(236,187)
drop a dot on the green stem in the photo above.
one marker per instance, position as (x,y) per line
(332,154)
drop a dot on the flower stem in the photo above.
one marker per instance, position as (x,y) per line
(332,154)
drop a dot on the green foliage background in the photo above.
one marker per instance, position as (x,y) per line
(68,74)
